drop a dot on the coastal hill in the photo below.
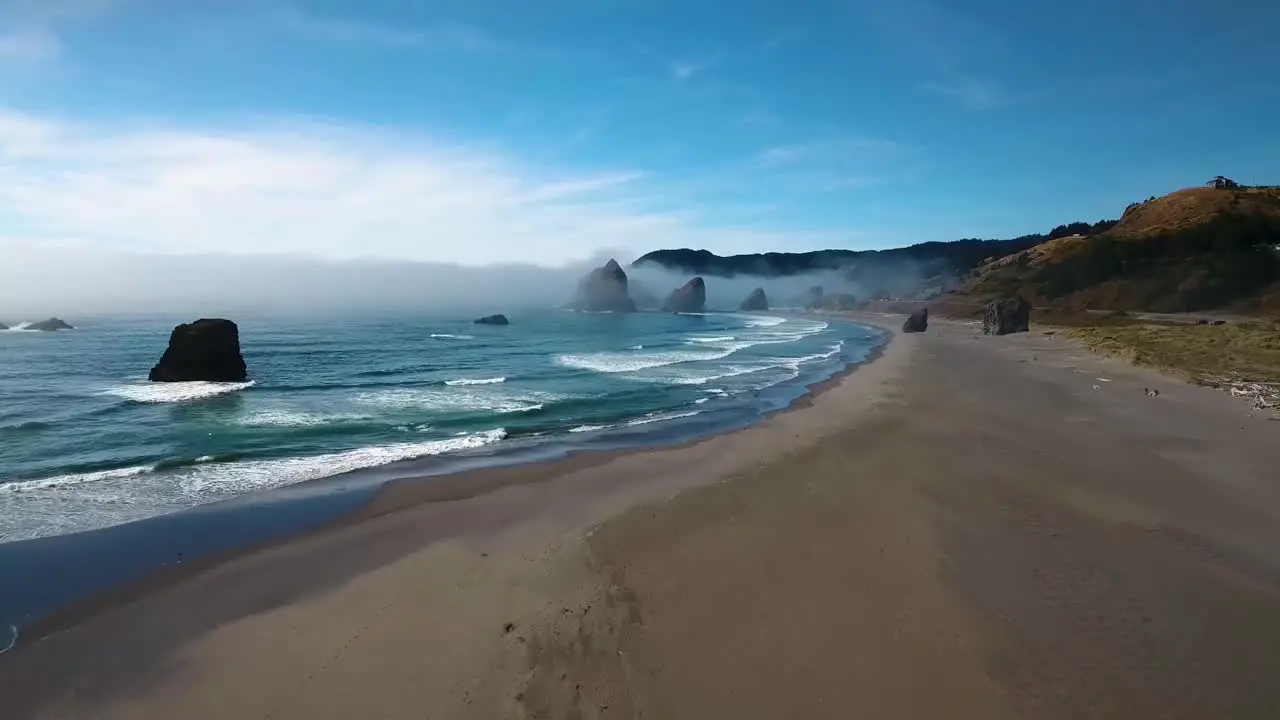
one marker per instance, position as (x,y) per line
(1194,249)
(955,256)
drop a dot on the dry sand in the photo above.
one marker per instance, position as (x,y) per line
(969,527)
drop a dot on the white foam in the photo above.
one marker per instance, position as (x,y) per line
(236,478)
(175,391)
(719,339)
(611,362)
(89,501)
(588,428)
(764,321)
(447,336)
(474,398)
(295,418)
(660,418)
(64,481)
(478,381)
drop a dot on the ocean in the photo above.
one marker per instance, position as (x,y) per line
(86,442)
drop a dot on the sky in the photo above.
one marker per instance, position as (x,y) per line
(476,132)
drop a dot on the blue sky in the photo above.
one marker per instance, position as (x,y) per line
(481,131)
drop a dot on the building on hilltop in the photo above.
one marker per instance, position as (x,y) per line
(1223,183)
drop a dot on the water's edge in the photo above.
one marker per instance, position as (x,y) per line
(47,578)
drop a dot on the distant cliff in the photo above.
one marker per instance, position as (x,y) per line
(931,258)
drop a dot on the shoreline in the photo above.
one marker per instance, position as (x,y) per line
(968,527)
(331,503)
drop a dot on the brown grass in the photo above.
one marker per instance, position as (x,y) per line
(1194,206)
(1242,351)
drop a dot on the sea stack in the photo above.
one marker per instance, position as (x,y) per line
(1009,315)
(493,320)
(813,297)
(207,349)
(688,298)
(604,289)
(50,325)
(757,300)
(917,321)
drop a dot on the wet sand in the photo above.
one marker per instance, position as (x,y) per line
(968,527)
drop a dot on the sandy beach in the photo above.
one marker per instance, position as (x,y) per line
(968,527)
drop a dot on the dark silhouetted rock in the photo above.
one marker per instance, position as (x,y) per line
(813,297)
(3,326)
(50,325)
(207,349)
(1009,315)
(604,289)
(757,300)
(688,298)
(917,321)
(840,301)
(493,320)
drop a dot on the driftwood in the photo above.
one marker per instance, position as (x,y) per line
(1262,395)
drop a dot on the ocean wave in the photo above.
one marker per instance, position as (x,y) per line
(467,399)
(612,362)
(479,381)
(296,418)
(661,417)
(716,339)
(447,336)
(763,321)
(225,475)
(635,422)
(62,481)
(26,426)
(175,391)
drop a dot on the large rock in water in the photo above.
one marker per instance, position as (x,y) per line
(3,326)
(1009,315)
(917,321)
(688,298)
(493,320)
(604,289)
(757,300)
(50,325)
(207,349)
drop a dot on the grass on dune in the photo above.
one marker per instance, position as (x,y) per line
(1242,351)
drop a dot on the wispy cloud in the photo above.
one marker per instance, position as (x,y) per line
(335,191)
(843,163)
(347,31)
(29,28)
(950,47)
(29,46)
(833,150)
(973,93)
(684,69)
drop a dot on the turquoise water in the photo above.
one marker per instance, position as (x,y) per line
(86,442)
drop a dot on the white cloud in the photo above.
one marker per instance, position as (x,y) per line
(448,36)
(28,46)
(685,69)
(974,93)
(333,191)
